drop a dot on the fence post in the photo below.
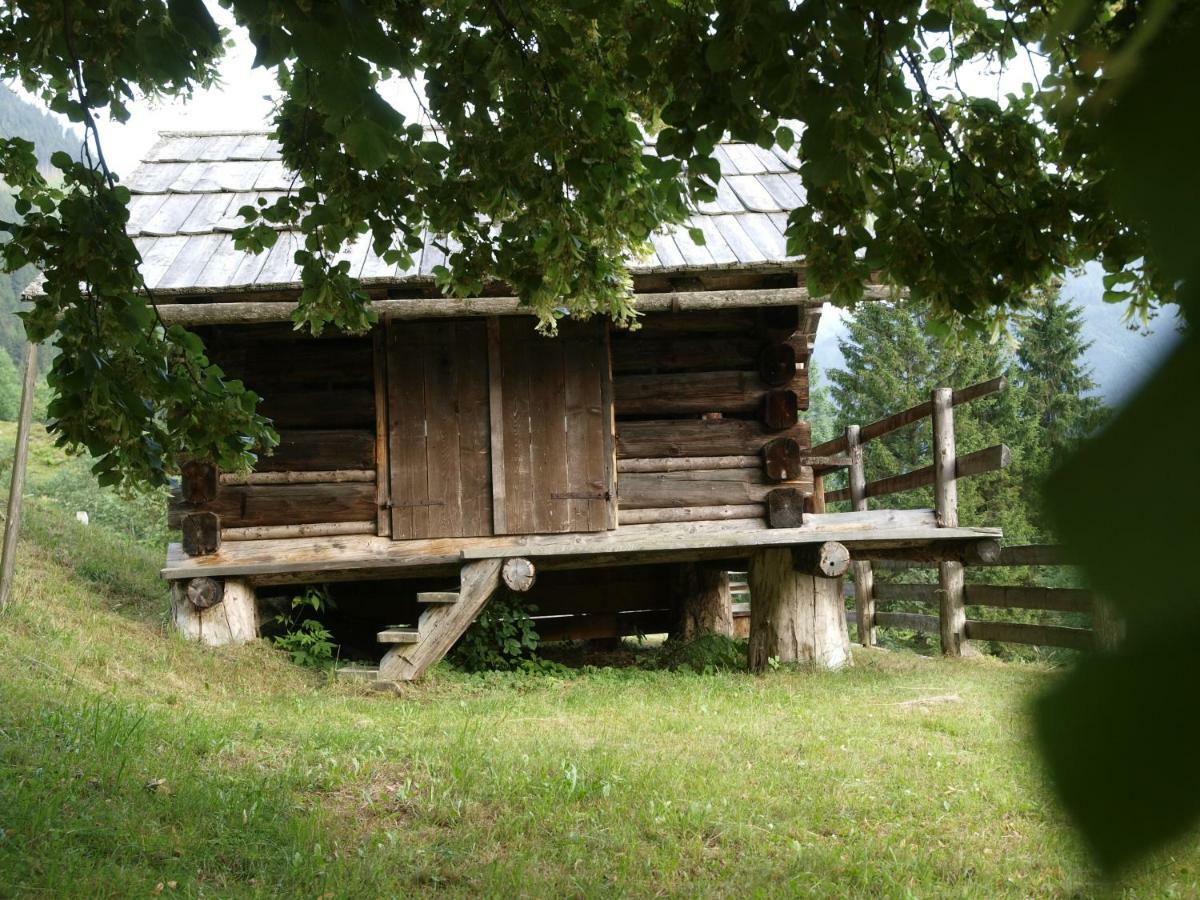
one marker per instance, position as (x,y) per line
(12,527)
(952,615)
(864,578)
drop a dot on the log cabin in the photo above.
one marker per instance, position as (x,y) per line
(614,475)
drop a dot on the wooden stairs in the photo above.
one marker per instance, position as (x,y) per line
(446,615)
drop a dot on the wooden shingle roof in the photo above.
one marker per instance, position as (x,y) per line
(187,192)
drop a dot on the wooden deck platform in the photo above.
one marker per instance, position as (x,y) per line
(359,557)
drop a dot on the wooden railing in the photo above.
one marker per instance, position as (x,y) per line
(1104,629)
(952,595)
(943,473)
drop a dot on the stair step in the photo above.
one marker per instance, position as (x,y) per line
(399,636)
(438,597)
(358,673)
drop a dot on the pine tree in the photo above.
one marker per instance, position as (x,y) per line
(822,419)
(1051,370)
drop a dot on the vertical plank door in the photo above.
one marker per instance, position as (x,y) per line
(552,467)
(439,422)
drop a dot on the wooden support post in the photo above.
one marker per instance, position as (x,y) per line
(864,576)
(795,618)
(816,503)
(704,601)
(12,526)
(199,616)
(952,614)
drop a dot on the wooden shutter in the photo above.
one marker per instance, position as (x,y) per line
(438,424)
(551,412)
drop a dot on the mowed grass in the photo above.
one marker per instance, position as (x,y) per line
(132,763)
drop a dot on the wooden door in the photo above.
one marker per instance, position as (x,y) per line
(438,429)
(552,432)
(494,429)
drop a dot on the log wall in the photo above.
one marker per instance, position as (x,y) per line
(697,396)
(716,386)
(321,395)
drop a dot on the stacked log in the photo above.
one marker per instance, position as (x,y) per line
(322,476)
(722,388)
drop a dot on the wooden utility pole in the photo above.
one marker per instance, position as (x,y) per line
(8,556)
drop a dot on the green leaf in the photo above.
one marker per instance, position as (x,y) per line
(935,20)
(696,235)
(368,143)
(720,54)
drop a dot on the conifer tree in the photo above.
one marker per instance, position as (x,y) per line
(1051,368)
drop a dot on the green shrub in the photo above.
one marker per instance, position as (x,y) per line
(306,639)
(141,516)
(503,637)
(705,655)
(10,389)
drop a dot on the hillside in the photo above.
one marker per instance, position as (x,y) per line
(20,118)
(134,764)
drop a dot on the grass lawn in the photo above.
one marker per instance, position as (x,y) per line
(132,763)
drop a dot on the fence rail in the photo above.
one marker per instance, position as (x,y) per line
(1103,631)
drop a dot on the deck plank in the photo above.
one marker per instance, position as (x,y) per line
(874,529)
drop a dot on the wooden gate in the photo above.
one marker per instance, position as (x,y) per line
(494,429)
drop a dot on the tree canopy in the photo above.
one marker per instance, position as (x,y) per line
(565,133)
(567,130)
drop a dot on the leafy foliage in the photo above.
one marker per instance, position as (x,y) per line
(705,655)
(10,389)
(503,637)
(304,638)
(1116,732)
(538,172)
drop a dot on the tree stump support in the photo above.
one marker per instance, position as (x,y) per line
(703,599)
(794,617)
(205,610)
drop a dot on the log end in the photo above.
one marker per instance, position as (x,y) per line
(519,574)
